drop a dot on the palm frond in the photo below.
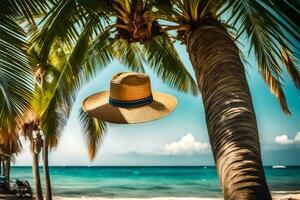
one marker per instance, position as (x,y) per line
(164,9)
(9,143)
(105,48)
(94,131)
(54,120)
(187,11)
(128,54)
(100,51)
(164,60)
(265,37)
(80,61)
(65,21)
(67,77)
(16,83)
(28,9)
(286,13)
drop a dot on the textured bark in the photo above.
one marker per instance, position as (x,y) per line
(230,116)
(48,192)
(7,163)
(8,169)
(36,174)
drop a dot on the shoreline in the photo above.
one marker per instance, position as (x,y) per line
(282,195)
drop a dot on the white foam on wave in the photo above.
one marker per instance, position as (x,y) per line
(286,192)
(277,195)
(154,198)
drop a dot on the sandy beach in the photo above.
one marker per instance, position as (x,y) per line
(275,197)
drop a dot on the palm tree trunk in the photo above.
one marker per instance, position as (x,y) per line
(8,173)
(48,192)
(230,116)
(36,174)
(8,169)
(1,165)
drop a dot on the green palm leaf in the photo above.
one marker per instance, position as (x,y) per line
(15,75)
(66,20)
(128,54)
(58,23)
(55,119)
(94,130)
(265,37)
(100,51)
(286,13)
(105,48)
(68,72)
(28,9)
(164,60)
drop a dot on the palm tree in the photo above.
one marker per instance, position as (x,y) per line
(49,109)
(273,31)
(52,104)
(31,131)
(43,128)
(15,71)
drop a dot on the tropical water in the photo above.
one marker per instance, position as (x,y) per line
(149,181)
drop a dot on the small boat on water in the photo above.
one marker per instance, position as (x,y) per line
(278,166)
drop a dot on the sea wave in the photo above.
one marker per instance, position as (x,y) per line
(283,195)
(286,192)
(146,182)
(155,198)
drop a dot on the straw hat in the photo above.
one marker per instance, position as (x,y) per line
(130,100)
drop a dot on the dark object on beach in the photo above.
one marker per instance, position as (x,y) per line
(3,184)
(23,189)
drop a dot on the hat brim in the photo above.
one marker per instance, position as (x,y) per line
(98,106)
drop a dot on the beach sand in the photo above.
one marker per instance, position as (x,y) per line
(275,197)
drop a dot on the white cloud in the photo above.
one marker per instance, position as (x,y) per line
(187,145)
(284,139)
(297,137)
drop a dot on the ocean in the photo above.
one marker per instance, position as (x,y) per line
(143,182)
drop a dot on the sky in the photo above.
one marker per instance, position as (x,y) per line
(180,138)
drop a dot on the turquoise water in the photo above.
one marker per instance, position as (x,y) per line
(149,181)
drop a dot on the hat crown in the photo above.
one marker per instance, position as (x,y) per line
(129,86)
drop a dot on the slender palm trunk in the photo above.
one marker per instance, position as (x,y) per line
(48,192)
(6,172)
(36,174)
(230,116)
(0,165)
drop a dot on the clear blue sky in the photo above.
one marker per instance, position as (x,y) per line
(164,142)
